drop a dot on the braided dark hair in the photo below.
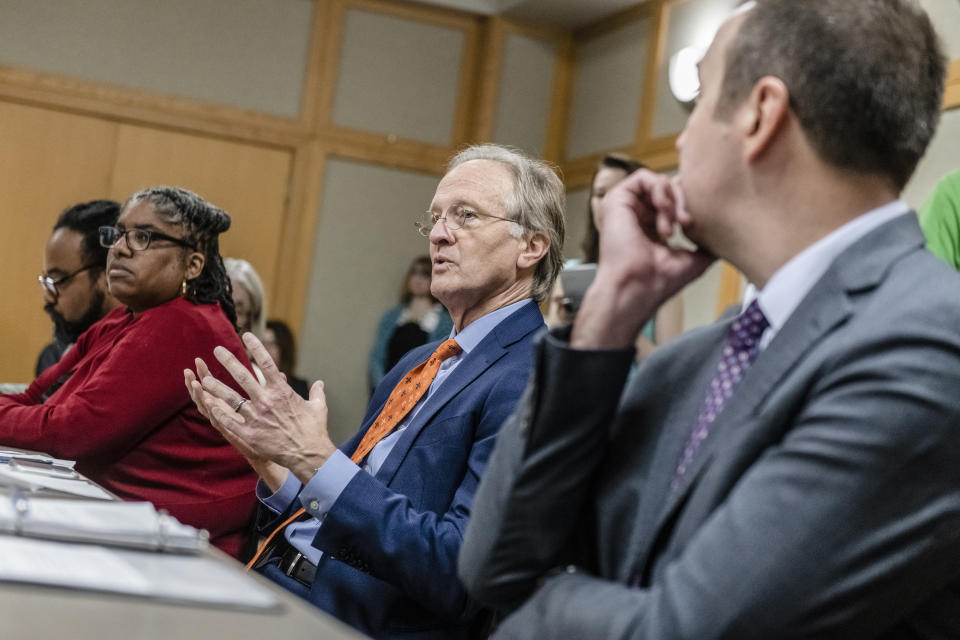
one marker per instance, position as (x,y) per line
(203,223)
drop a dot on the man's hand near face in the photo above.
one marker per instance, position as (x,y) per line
(637,270)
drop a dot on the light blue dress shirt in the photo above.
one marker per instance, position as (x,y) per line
(318,496)
(791,282)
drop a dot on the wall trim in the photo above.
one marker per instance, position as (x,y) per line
(651,10)
(951,96)
(496,32)
(122,104)
(729,291)
(618,20)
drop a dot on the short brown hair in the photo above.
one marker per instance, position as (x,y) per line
(865,77)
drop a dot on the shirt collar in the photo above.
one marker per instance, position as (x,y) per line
(791,282)
(474,333)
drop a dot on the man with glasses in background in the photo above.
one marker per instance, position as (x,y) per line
(74,283)
(375,527)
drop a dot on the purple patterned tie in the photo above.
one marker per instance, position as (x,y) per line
(739,351)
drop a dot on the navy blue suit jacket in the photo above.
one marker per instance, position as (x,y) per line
(391,541)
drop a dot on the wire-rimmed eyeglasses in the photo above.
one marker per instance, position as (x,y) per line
(137,239)
(50,285)
(456,218)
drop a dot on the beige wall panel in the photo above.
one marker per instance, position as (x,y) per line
(577,203)
(250,54)
(945,15)
(526,84)
(608,88)
(48,161)
(943,156)
(398,77)
(247,181)
(365,241)
(691,23)
(700,298)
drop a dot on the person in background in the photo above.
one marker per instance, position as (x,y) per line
(668,322)
(74,280)
(123,413)
(792,471)
(249,297)
(249,300)
(418,319)
(282,347)
(940,219)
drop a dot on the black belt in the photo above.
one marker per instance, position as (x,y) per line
(296,565)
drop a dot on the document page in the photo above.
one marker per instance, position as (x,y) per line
(68,565)
(77,486)
(12,454)
(136,524)
(175,578)
(181,578)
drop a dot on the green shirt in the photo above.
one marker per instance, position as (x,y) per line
(940,219)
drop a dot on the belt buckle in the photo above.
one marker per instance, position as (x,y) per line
(293,564)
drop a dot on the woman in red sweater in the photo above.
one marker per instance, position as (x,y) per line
(122,412)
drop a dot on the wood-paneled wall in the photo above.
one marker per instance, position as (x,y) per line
(65,139)
(50,159)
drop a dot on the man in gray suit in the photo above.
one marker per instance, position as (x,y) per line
(791,472)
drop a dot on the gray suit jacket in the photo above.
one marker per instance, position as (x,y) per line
(825,502)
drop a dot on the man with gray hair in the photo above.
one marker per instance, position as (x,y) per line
(792,471)
(371,532)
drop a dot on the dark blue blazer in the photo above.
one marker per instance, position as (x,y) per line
(391,541)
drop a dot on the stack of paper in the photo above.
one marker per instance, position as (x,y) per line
(127,524)
(107,545)
(6,455)
(176,578)
(37,471)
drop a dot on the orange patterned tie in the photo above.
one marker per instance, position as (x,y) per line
(403,398)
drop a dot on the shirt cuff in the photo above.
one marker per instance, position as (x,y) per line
(282,497)
(327,484)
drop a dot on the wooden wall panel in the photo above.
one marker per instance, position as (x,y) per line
(945,15)
(65,139)
(940,159)
(578,201)
(248,181)
(48,161)
(527,87)
(392,81)
(365,240)
(951,97)
(608,83)
(688,23)
(248,54)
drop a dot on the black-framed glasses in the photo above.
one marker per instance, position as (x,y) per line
(456,218)
(50,285)
(137,239)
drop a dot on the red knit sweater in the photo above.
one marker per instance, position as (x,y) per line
(125,415)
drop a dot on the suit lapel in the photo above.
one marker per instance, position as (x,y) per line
(827,306)
(493,347)
(809,323)
(693,362)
